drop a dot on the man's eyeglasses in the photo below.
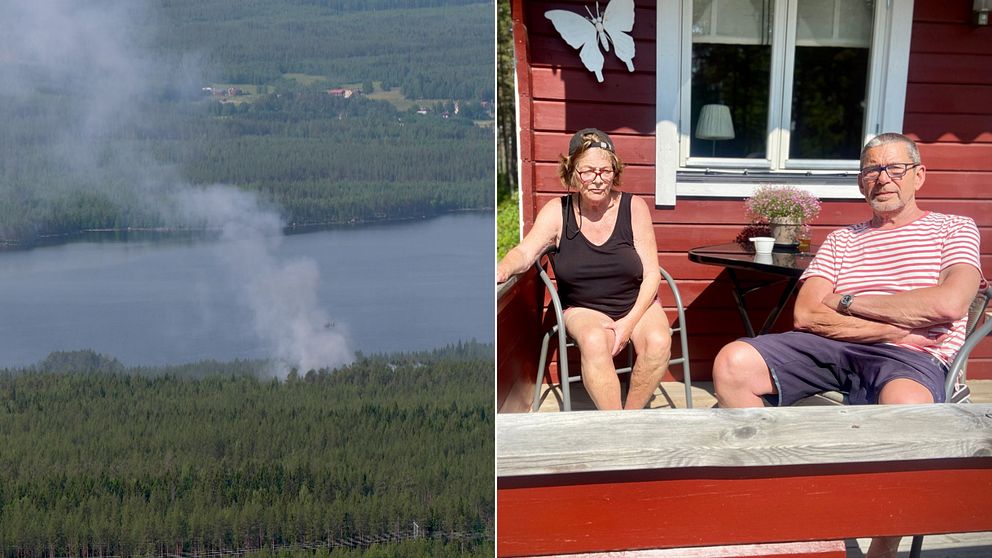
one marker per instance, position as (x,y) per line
(588,176)
(894,170)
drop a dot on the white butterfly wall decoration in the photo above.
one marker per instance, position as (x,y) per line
(611,27)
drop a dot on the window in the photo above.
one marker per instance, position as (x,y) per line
(785,91)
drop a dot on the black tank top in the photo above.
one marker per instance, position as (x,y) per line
(606,278)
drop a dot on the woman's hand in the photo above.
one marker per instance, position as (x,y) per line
(501,275)
(622,329)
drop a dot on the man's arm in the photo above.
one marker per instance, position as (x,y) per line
(812,315)
(919,308)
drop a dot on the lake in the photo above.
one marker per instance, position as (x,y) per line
(404,286)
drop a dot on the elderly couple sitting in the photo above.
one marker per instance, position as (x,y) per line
(881,312)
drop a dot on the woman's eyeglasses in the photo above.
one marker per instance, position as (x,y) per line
(894,170)
(606,175)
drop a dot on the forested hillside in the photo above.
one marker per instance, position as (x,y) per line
(320,159)
(239,93)
(102,460)
(429,49)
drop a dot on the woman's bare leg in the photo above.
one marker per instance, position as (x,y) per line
(652,341)
(599,376)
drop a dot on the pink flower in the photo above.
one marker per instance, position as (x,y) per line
(788,202)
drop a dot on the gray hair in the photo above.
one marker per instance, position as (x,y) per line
(892,137)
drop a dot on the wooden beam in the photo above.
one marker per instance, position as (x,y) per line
(620,481)
(555,443)
(675,508)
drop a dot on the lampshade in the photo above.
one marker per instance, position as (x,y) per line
(981,9)
(715,123)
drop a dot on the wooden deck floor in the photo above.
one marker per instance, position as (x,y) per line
(672,394)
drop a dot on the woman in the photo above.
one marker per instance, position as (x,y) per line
(606,264)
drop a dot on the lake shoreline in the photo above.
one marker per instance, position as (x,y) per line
(148,298)
(290,229)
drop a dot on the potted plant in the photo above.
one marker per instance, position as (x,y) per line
(785,209)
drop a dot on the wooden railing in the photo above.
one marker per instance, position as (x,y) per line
(606,481)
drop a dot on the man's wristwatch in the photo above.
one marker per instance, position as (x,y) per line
(844,306)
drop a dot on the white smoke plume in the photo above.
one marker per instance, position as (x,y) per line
(282,295)
(95,58)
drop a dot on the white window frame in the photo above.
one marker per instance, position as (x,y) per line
(706,177)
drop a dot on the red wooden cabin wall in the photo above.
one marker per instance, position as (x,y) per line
(948,111)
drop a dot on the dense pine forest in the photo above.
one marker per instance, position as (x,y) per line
(240,93)
(102,460)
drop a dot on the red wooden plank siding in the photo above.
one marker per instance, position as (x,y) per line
(518,318)
(581,85)
(960,128)
(952,12)
(948,110)
(959,156)
(616,119)
(706,506)
(948,38)
(953,68)
(943,98)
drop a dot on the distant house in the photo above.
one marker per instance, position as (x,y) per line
(341,92)
(423,110)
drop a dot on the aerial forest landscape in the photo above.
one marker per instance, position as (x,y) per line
(242,310)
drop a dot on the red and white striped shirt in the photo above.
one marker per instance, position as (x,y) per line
(862,260)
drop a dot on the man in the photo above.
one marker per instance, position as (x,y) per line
(882,309)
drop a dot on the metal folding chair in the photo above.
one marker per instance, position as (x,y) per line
(564,342)
(954,384)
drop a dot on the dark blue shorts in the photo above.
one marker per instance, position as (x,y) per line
(804,364)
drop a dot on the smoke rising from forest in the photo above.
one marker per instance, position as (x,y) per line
(94,62)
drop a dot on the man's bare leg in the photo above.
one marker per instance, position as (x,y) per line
(741,377)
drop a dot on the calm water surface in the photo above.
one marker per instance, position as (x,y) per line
(393,287)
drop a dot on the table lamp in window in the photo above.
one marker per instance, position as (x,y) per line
(714,124)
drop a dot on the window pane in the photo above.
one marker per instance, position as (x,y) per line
(856,22)
(729,21)
(834,23)
(816,21)
(830,79)
(731,66)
